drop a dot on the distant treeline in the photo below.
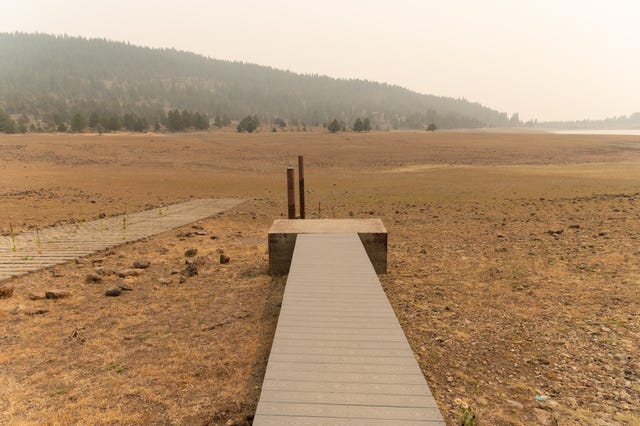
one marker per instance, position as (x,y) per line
(622,123)
(100,122)
(50,80)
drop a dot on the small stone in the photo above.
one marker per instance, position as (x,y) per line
(33,296)
(113,292)
(224,259)
(93,279)
(574,226)
(56,294)
(190,271)
(514,404)
(543,416)
(81,261)
(102,216)
(191,252)
(200,233)
(36,312)
(213,237)
(182,280)
(141,264)
(165,281)
(6,291)
(125,287)
(129,273)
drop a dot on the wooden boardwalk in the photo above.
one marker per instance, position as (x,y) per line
(60,244)
(339,356)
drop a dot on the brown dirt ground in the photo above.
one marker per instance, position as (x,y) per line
(497,308)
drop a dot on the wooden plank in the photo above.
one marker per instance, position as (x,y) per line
(63,243)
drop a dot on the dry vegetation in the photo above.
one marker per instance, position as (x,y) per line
(514,270)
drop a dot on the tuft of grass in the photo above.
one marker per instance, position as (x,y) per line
(38,242)
(13,238)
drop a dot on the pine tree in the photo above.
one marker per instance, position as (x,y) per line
(334,126)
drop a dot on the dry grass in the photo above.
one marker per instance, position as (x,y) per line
(497,309)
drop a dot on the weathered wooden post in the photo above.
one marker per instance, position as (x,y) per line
(291,193)
(301,184)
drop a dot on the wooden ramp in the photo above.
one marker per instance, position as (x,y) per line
(60,244)
(339,356)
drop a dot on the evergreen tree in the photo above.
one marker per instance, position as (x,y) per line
(366,125)
(334,126)
(358,126)
(94,120)
(78,123)
(248,124)
(7,125)
(175,121)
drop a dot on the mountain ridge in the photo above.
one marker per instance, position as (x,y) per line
(50,78)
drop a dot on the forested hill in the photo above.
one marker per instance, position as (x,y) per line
(48,79)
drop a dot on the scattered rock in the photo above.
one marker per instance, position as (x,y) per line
(141,264)
(184,234)
(190,271)
(125,287)
(182,280)
(200,233)
(129,273)
(102,216)
(34,296)
(6,291)
(81,261)
(224,259)
(93,279)
(543,416)
(555,232)
(163,250)
(574,226)
(514,404)
(572,402)
(500,236)
(200,261)
(113,292)
(36,312)
(602,234)
(213,237)
(165,281)
(191,252)
(56,294)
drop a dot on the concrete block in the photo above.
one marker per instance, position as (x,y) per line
(283,233)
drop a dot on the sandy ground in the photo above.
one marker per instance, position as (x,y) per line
(513,258)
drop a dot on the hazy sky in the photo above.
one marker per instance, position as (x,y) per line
(559,59)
